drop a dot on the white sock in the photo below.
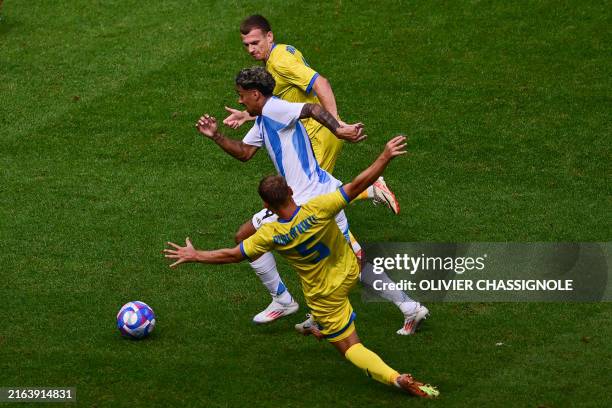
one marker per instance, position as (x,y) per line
(370,191)
(398,297)
(265,268)
(355,245)
(409,307)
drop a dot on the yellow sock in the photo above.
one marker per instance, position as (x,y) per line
(369,362)
(363,196)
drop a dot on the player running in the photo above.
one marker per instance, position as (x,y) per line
(296,81)
(279,129)
(307,236)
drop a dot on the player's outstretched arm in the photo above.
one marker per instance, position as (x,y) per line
(352,133)
(326,96)
(395,147)
(207,125)
(189,254)
(236,118)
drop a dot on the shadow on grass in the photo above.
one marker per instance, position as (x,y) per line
(7,25)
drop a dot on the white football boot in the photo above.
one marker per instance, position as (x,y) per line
(308,327)
(305,327)
(274,311)
(412,321)
(383,195)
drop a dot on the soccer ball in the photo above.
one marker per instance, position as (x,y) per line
(136,320)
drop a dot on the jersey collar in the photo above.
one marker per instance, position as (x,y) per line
(284,221)
(268,57)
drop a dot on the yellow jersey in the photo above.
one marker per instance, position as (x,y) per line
(294,83)
(294,77)
(312,243)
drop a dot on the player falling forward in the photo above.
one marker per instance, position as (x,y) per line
(279,129)
(308,237)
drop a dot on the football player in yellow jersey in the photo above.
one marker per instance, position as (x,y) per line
(308,237)
(255,89)
(296,81)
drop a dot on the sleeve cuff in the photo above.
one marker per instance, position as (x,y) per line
(346,197)
(244,253)
(311,83)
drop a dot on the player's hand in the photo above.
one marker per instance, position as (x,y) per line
(236,118)
(352,133)
(183,254)
(395,147)
(207,125)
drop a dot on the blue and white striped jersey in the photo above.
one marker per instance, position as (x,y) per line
(279,128)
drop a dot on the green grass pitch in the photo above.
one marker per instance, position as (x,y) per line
(507,106)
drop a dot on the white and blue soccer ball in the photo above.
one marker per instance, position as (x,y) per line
(136,320)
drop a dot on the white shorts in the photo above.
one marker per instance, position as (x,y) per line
(265,216)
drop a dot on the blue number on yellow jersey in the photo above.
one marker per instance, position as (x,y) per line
(311,242)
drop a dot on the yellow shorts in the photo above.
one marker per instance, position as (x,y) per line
(334,313)
(325,145)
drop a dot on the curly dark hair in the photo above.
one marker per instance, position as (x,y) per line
(256,78)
